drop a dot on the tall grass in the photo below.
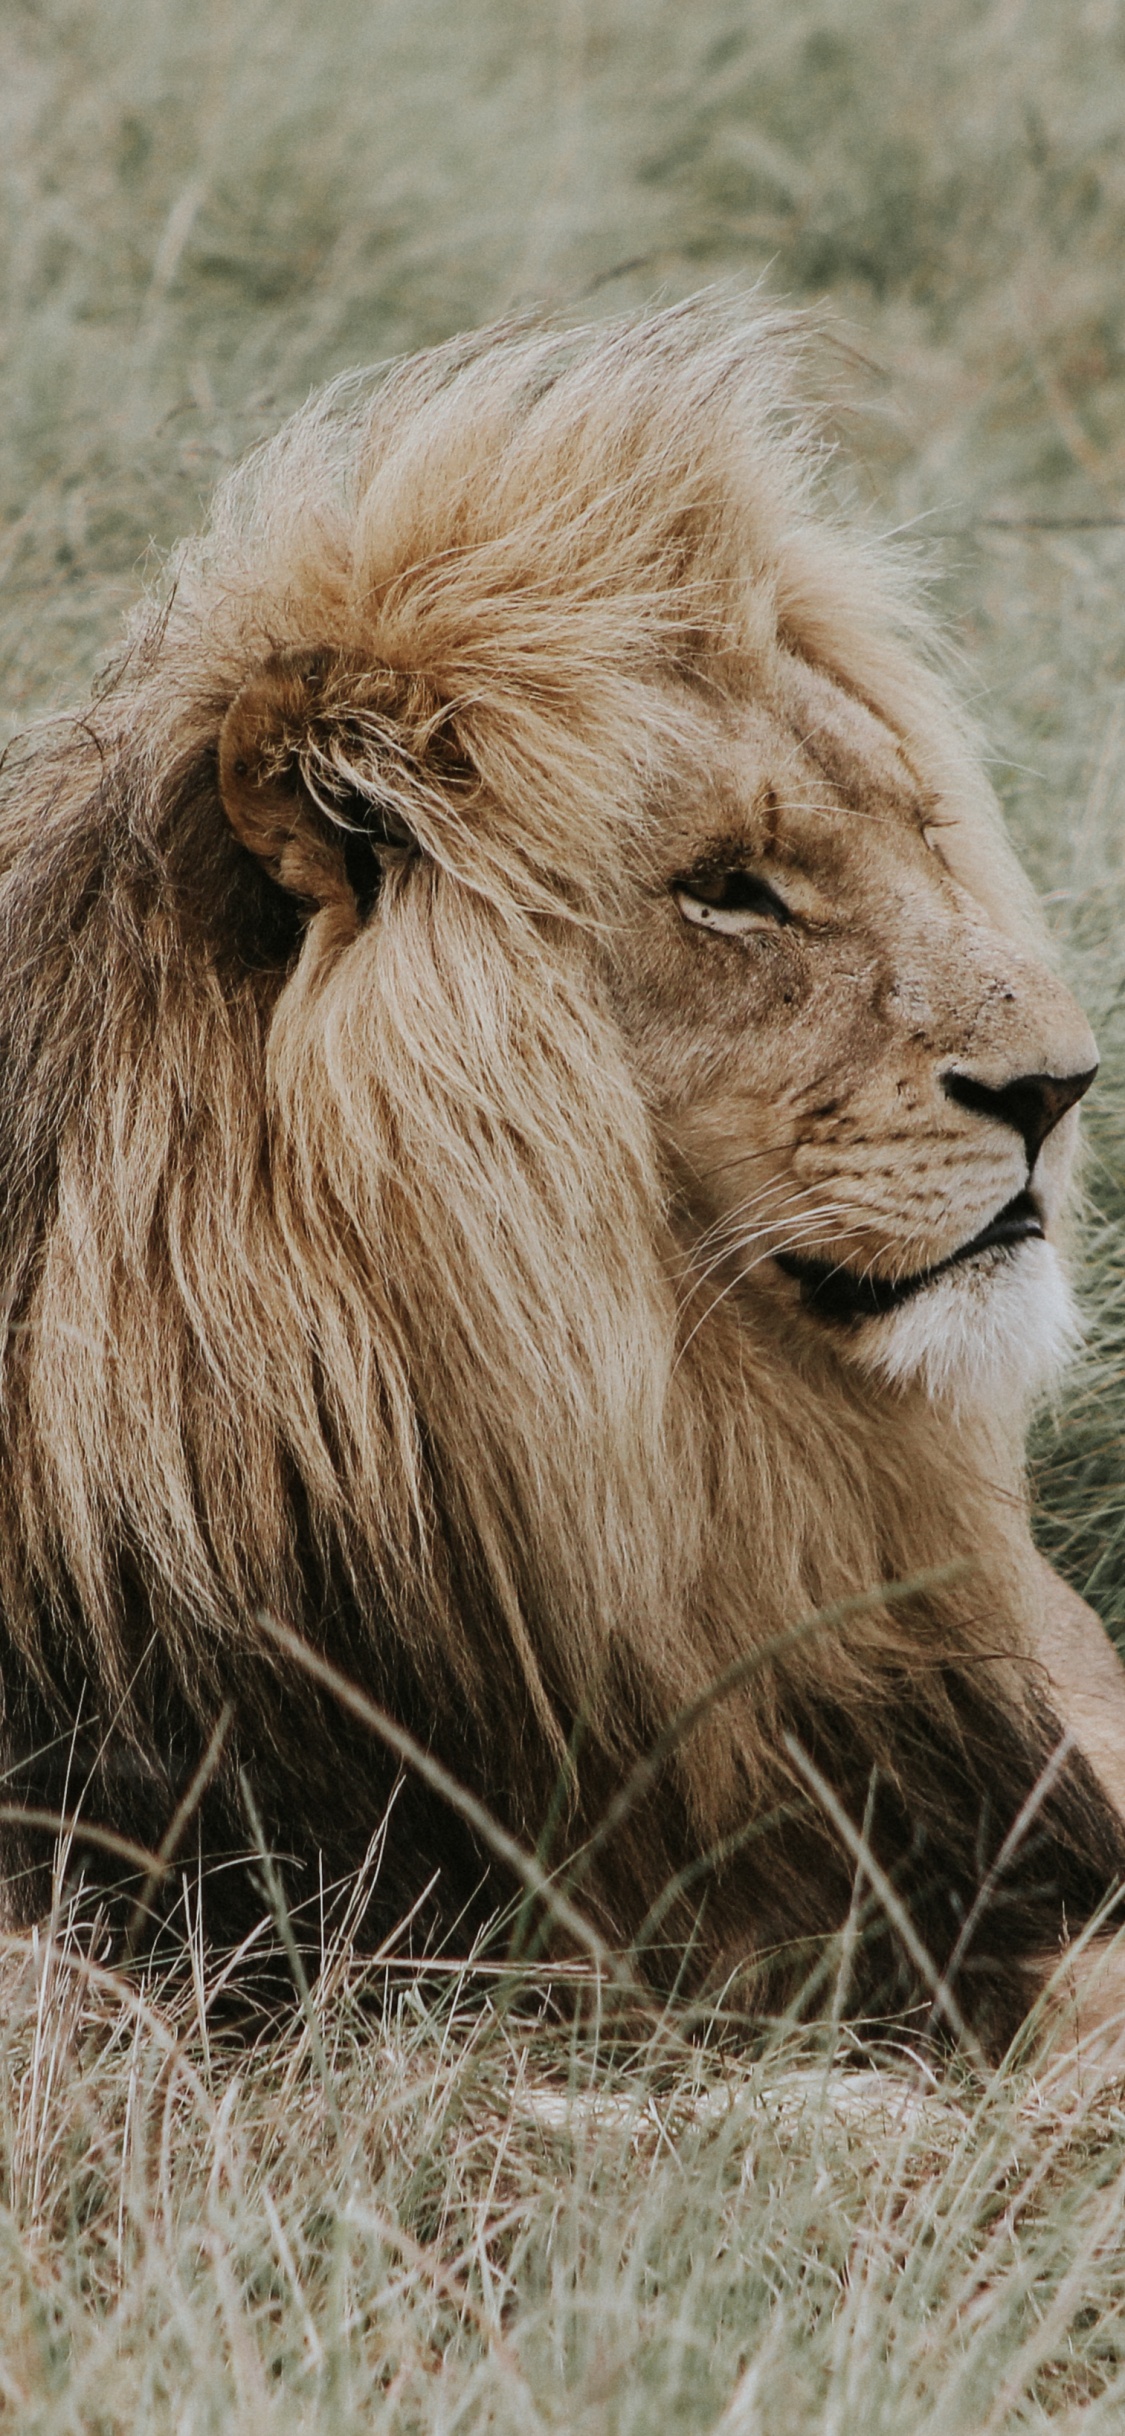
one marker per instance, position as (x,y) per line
(428,2207)
(436,2209)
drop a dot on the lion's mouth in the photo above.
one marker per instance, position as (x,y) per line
(840,1294)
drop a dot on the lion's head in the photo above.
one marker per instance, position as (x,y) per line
(537,1125)
(861,1075)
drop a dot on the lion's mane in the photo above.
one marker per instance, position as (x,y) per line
(344,1278)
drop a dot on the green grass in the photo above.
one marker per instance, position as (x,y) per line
(441,2213)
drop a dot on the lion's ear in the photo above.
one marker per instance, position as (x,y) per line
(293,747)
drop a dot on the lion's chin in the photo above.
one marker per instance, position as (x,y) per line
(995,1332)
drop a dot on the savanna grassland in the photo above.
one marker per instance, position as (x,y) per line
(437,2208)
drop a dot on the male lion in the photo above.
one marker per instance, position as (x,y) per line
(536,1130)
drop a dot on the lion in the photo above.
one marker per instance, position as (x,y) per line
(537,1131)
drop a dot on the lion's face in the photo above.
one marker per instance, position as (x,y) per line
(864,1086)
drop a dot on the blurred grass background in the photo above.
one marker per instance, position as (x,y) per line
(213,205)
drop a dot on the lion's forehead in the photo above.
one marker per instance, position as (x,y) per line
(820,786)
(803,746)
(844,741)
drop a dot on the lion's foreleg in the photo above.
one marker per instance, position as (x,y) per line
(1084,2018)
(1087,1680)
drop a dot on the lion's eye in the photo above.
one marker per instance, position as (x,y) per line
(730,901)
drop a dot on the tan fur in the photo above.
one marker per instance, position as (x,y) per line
(395,1172)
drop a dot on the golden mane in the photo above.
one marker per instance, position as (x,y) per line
(345,1275)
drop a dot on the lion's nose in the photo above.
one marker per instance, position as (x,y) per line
(1032,1104)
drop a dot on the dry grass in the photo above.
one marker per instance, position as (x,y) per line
(437,2206)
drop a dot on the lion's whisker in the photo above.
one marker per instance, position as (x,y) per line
(735,1237)
(726,1229)
(797,1243)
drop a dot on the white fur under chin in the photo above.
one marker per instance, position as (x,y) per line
(995,1332)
